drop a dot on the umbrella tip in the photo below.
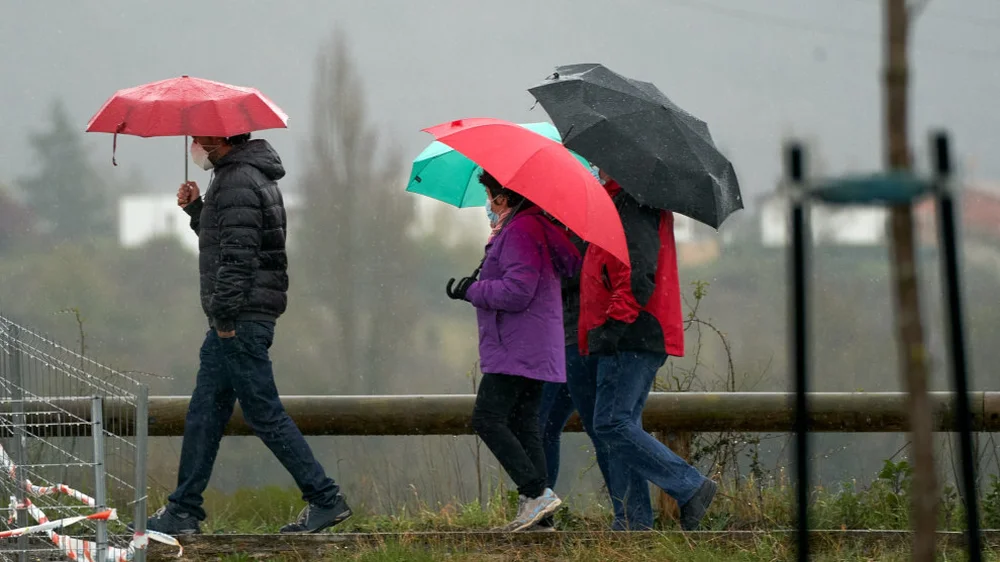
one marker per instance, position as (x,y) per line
(184,76)
(456,123)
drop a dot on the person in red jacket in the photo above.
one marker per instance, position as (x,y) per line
(630,322)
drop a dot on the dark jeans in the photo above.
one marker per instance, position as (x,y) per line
(506,418)
(232,369)
(623,384)
(557,407)
(629,490)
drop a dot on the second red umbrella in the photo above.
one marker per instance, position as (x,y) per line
(542,170)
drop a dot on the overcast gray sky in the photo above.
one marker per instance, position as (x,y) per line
(755,70)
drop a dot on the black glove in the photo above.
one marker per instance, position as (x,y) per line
(603,340)
(458,291)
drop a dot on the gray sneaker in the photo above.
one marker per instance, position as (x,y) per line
(695,509)
(535,509)
(170,522)
(315,518)
(545,524)
(521,499)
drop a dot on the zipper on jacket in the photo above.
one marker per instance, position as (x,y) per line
(605,277)
(496,321)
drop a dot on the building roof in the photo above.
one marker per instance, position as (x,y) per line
(979,209)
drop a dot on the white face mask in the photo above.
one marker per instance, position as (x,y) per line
(200,156)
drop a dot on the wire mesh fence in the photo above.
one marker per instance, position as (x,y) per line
(73,434)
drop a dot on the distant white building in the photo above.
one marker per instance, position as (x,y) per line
(688,230)
(454,225)
(471,223)
(143,217)
(830,225)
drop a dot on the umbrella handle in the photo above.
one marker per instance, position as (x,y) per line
(185,159)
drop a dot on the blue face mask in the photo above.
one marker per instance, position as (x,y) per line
(596,172)
(491,215)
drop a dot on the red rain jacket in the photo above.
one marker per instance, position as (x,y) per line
(637,309)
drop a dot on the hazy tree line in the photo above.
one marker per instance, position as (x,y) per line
(368,312)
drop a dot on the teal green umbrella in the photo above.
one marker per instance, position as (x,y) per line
(441,172)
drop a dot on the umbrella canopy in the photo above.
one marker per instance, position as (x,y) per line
(662,155)
(187,106)
(440,172)
(543,171)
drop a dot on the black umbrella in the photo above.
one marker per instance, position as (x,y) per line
(659,153)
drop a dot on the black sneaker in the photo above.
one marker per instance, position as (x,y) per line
(313,518)
(170,523)
(695,509)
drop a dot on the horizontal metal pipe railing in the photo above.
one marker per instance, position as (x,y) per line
(449,414)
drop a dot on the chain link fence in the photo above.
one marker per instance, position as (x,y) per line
(74,439)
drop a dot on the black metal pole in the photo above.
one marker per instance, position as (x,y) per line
(799,350)
(951,280)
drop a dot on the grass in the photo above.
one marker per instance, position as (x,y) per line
(748,505)
(665,549)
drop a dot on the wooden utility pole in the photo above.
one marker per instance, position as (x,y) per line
(910,332)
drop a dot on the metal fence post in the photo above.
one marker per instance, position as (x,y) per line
(100,478)
(19,442)
(141,447)
(799,324)
(951,280)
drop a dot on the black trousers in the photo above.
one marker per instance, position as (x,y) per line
(506,419)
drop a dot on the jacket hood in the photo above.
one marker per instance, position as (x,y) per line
(258,153)
(566,258)
(612,187)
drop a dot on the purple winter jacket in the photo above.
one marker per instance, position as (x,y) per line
(518,299)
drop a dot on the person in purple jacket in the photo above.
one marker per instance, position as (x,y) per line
(518,300)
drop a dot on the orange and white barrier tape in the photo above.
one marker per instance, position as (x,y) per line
(59,489)
(78,549)
(75,549)
(46,525)
(8,466)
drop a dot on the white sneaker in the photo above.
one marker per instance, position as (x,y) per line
(521,499)
(535,509)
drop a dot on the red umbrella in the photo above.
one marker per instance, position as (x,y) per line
(187,106)
(542,170)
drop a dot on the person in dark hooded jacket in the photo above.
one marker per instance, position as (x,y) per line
(630,322)
(630,502)
(241,230)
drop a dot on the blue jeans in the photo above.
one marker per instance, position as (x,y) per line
(557,407)
(623,384)
(629,490)
(232,369)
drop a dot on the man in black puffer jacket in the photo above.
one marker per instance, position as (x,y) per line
(241,239)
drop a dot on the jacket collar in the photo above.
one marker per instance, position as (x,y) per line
(612,187)
(535,210)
